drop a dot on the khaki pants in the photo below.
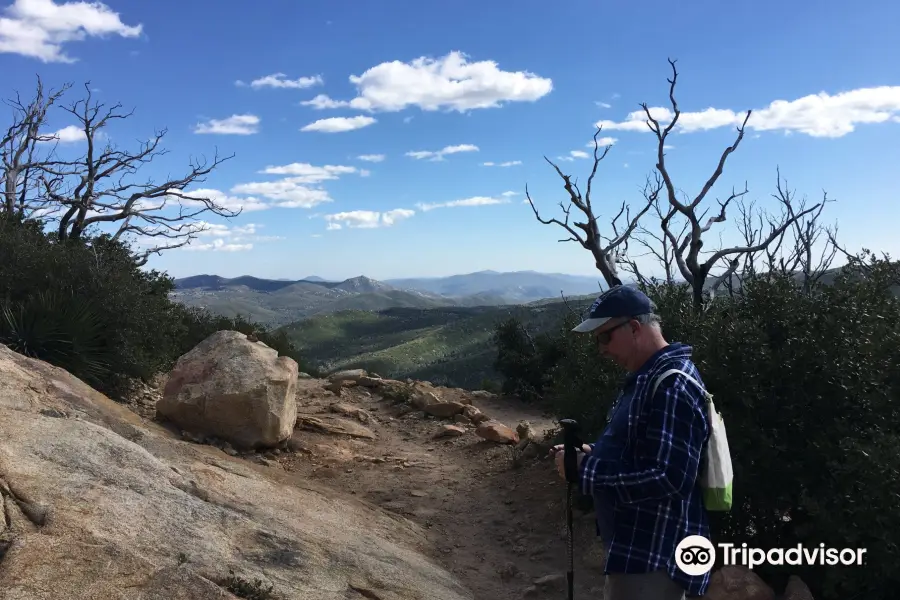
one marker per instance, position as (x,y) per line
(642,586)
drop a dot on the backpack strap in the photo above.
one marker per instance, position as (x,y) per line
(689,378)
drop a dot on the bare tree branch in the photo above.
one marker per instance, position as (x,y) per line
(18,148)
(587,233)
(688,250)
(660,246)
(101,187)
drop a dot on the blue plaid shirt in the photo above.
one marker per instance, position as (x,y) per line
(643,470)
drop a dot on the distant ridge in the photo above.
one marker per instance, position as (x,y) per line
(282,301)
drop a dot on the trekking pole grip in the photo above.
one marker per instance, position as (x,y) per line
(571,444)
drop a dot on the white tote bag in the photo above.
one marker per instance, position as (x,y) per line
(716,476)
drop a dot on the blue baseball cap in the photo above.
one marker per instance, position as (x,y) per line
(620,301)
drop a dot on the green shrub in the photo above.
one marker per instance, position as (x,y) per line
(808,384)
(86,306)
(196,325)
(63,330)
(524,361)
(124,325)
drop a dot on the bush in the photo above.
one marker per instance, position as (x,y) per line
(86,306)
(124,324)
(524,362)
(808,385)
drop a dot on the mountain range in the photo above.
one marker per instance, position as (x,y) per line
(276,302)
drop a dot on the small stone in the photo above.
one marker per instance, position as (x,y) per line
(495,431)
(418,493)
(444,409)
(229,449)
(450,431)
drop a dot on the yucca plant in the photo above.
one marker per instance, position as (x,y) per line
(59,328)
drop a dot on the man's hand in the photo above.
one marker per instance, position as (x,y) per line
(561,447)
(560,458)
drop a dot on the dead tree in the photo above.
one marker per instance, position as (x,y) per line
(98,189)
(687,251)
(24,151)
(800,259)
(606,251)
(657,245)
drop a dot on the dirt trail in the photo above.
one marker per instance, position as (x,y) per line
(499,527)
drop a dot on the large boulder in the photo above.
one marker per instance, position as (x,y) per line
(233,389)
(96,502)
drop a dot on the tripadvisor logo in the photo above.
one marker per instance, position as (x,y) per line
(695,555)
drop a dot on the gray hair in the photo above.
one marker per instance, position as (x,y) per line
(651,319)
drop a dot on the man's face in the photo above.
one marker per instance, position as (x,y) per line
(614,339)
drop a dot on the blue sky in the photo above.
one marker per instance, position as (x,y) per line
(300,91)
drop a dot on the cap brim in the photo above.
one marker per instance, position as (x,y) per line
(590,325)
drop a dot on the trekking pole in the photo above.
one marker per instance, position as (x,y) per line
(570,445)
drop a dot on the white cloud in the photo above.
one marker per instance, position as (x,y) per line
(339,124)
(278,80)
(299,188)
(367,219)
(39,28)
(510,163)
(233,125)
(816,115)
(290,192)
(438,155)
(474,201)
(322,102)
(219,245)
(449,83)
(573,154)
(371,157)
(70,134)
(307,173)
(603,142)
(226,238)
(231,203)
(364,172)
(603,104)
(509,194)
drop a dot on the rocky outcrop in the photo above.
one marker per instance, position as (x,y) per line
(234,389)
(98,503)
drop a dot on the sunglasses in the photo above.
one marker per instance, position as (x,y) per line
(604,337)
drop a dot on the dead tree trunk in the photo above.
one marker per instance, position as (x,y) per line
(606,251)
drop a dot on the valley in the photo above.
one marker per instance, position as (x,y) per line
(276,303)
(448,346)
(434,329)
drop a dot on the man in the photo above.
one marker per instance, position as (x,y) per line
(643,470)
